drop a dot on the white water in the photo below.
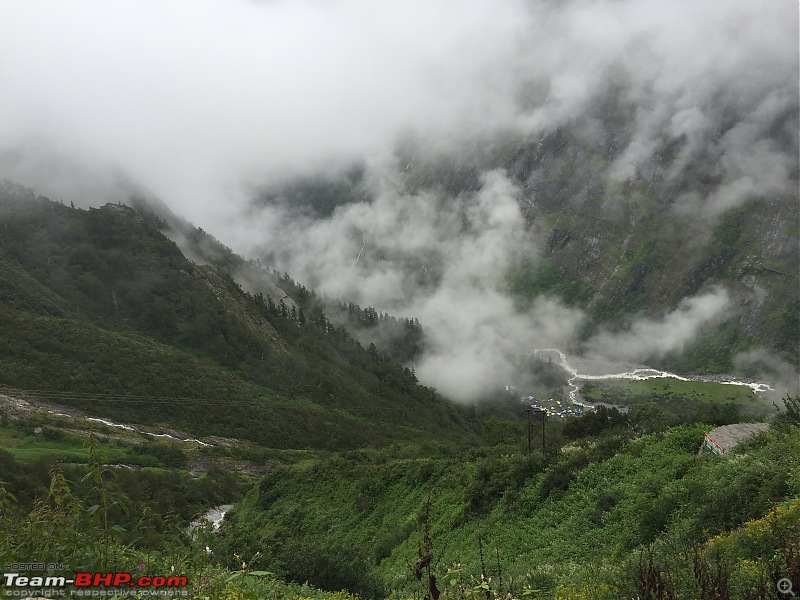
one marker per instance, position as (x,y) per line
(110,424)
(214,515)
(131,428)
(636,373)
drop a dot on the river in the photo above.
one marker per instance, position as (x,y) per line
(584,369)
(213,515)
(108,423)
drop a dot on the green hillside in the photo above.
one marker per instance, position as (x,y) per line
(374,483)
(575,522)
(100,304)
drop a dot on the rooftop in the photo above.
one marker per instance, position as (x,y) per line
(728,436)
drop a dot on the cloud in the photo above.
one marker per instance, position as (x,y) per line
(201,102)
(764,365)
(657,337)
(475,346)
(439,258)
(195,98)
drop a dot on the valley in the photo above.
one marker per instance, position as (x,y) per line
(333,465)
(345,300)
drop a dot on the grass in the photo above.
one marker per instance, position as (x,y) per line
(634,392)
(678,397)
(62,456)
(68,447)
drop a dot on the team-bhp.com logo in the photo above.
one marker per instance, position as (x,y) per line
(93,584)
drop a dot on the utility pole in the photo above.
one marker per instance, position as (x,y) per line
(544,418)
(528,410)
(539,411)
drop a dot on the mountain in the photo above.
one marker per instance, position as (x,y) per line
(133,314)
(619,238)
(617,248)
(100,306)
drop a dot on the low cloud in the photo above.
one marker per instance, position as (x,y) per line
(428,255)
(202,102)
(657,337)
(763,365)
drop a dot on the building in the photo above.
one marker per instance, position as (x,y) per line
(721,440)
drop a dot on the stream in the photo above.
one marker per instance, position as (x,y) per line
(108,423)
(214,515)
(582,369)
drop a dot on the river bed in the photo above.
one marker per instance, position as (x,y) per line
(213,515)
(582,369)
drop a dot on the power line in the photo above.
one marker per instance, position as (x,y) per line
(56,395)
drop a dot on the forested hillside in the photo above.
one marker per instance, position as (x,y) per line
(100,304)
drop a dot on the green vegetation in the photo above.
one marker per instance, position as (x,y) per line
(367,480)
(107,312)
(530,279)
(142,482)
(597,514)
(687,401)
(95,518)
(583,516)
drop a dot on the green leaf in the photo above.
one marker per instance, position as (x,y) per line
(92,509)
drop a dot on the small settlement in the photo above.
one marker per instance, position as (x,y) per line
(553,408)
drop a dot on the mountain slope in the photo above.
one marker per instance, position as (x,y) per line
(581,517)
(104,303)
(683,222)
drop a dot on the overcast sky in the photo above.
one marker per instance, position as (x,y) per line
(194,98)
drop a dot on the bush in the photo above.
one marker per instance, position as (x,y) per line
(556,480)
(330,569)
(594,423)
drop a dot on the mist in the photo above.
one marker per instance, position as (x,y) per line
(202,104)
(440,259)
(195,100)
(654,338)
